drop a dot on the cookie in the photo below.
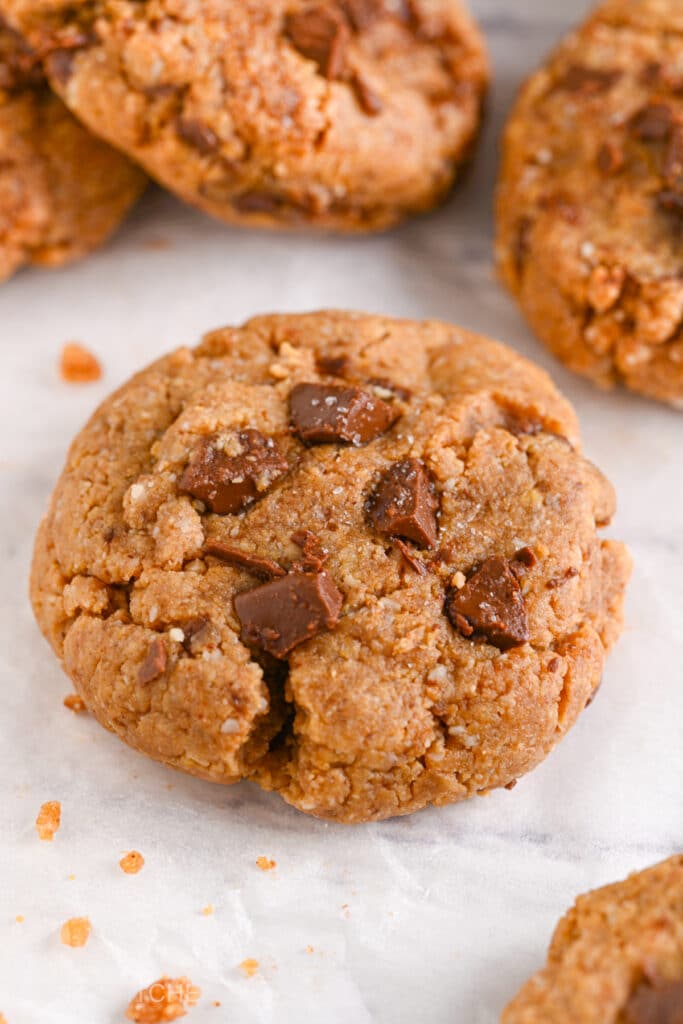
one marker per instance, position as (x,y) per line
(62,191)
(590,201)
(616,957)
(343,114)
(351,558)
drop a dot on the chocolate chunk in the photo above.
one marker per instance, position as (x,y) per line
(314,554)
(333,366)
(278,616)
(404,504)
(671,201)
(154,664)
(410,557)
(229,475)
(589,81)
(322,34)
(658,1004)
(266,568)
(653,123)
(198,135)
(322,414)
(524,558)
(490,605)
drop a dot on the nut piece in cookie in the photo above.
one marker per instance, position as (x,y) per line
(616,957)
(337,609)
(346,115)
(590,199)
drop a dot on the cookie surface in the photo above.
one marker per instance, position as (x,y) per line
(590,202)
(343,114)
(616,957)
(62,191)
(352,558)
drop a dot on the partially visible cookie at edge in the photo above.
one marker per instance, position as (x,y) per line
(616,957)
(62,191)
(590,199)
(342,114)
(354,559)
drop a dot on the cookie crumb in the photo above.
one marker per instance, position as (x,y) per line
(207,911)
(132,862)
(249,967)
(74,703)
(164,1000)
(48,820)
(77,365)
(19,918)
(265,863)
(310,949)
(75,932)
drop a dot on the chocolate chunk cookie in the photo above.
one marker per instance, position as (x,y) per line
(590,202)
(354,559)
(615,958)
(62,191)
(341,114)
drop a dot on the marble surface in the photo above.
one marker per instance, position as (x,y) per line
(436,918)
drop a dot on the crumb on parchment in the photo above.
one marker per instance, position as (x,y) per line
(249,967)
(164,1000)
(77,365)
(48,820)
(132,862)
(207,911)
(75,932)
(265,863)
(74,703)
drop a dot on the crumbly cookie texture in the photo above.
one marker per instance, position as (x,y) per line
(590,200)
(616,957)
(354,559)
(342,114)
(62,191)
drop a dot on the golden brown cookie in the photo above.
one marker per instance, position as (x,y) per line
(355,559)
(615,958)
(62,191)
(590,200)
(343,114)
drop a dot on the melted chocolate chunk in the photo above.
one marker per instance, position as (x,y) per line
(155,663)
(229,478)
(658,1004)
(333,366)
(653,123)
(266,568)
(322,414)
(490,605)
(404,504)
(197,134)
(589,81)
(278,616)
(322,35)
